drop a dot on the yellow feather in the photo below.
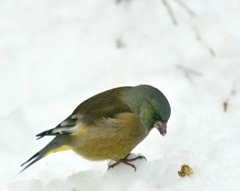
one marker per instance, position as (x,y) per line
(80,132)
(62,148)
(109,138)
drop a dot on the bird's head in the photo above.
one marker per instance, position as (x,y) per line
(150,106)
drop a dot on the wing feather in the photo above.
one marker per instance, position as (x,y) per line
(107,104)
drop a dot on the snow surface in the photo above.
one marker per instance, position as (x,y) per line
(54,54)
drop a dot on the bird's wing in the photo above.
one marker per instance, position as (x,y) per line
(107,104)
(66,127)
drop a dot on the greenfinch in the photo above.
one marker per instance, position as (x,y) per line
(109,125)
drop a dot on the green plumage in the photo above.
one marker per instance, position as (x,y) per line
(105,104)
(110,124)
(145,101)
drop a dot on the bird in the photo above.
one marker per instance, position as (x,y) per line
(109,125)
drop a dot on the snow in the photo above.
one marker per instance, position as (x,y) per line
(55,54)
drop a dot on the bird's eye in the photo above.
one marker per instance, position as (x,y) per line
(157,117)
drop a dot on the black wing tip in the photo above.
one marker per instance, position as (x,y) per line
(39,136)
(44,133)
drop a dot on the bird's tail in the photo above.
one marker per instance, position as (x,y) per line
(54,146)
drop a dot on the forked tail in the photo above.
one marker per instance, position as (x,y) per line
(54,146)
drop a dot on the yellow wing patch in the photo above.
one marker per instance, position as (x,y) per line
(81,130)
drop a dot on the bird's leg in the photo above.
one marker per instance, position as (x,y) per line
(126,161)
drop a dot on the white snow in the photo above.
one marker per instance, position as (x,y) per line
(54,54)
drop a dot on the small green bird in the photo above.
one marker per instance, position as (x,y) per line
(109,125)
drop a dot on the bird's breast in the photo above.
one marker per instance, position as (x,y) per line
(109,138)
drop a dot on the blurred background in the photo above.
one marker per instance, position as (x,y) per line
(55,54)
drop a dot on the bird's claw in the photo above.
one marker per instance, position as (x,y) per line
(126,161)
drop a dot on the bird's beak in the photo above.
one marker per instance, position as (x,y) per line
(161,127)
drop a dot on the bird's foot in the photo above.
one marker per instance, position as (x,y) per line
(126,161)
